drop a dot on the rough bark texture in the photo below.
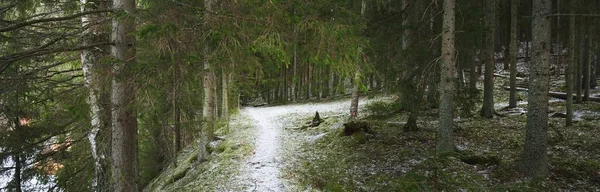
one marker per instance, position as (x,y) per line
(124,123)
(514,48)
(487,110)
(94,33)
(447,81)
(535,160)
(570,67)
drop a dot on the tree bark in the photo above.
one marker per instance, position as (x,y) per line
(124,123)
(579,67)
(295,77)
(445,141)
(208,85)
(93,34)
(17,180)
(534,160)
(570,67)
(514,51)
(487,110)
(225,93)
(586,66)
(355,95)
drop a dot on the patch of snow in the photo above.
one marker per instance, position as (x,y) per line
(314,138)
(262,170)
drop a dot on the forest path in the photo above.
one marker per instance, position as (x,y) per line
(262,170)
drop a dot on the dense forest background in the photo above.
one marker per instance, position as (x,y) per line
(100,95)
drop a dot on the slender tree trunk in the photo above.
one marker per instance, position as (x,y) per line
(487,109)
(357,78)
(355,95)
(208,107)
(570,67)
(586,67)
(447,82)
(579,66)
(472,73)
(295,77)
(535,160)
(514,51)
(93,33)
(124,123)
(17,180)
(325,82)
(225,93)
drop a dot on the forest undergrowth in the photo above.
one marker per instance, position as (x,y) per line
(487,156)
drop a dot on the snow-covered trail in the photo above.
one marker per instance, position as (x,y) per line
(262,170)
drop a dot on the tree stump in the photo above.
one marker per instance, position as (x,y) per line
(353,127)
(316,120)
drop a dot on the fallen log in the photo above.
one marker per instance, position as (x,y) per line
(560,95)
(506,76)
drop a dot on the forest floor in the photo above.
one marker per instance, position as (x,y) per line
(271,149)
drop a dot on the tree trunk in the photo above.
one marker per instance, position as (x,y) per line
(357,78)
(570,67)
(355,95)
(487,110)
(208,85)
(447,82)
(585,63)
(579,67)
(17,180)
(295,77)
(534,160)
(124,123)
(472,73)
(514,51)
(93,33)
(325,82)
(225,93)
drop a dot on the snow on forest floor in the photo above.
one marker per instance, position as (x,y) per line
(272,125)
(258,144)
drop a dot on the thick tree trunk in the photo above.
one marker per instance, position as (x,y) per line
(94,33)
(570,67)
(445,141)
(534,159)
(514,50)
(487,110)
(124,123)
